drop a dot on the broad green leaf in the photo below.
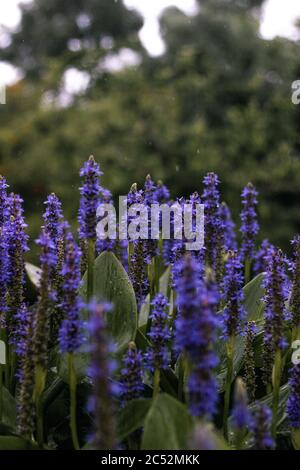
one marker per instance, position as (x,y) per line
(168,425)
(144,312)
(34,273)
(9,409)
(15,443)
(132,416)
(164,288)
(81,364)
(112,284)
(267,400)
(164,283)
(253,293)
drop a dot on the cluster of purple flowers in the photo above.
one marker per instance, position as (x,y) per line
(196,329)
(249,227)
(209,305)
(70,335)
(157,355)
(234,311)
(89,201)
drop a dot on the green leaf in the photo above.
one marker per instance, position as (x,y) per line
(34,273)
(144,312)
(168,425)
(253,293)
(112,284)
(15,443)
(81,364)
(132,417)
(267,400)
(9,409)
(164,283)
(164,288)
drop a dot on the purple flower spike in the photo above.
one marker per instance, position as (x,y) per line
(46,299)
(196,326)
(53,217)
(233,296)
(261,429)
(249,226)
(70,335)
(157,355)
(213,223)
(131,374)
(4,206)
(262,256)
(90,198)
(228,226)
(293,403)
(101,371)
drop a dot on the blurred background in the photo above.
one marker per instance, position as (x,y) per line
(175,92)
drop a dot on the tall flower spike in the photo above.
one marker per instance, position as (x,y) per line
(202,386)
(249,363)
(261,429)
(70,335)
(102,369)
(249,226)
(17,246)
(233,296)
(157,354)
(25,409)
(45,302)
(53,218)
(3,275)
(295,295)
(131,374)
(90,194)
(275,284)
(211,200)
(4,208)
(262,256)
(229,227)
(162,194)
(293,403)
(196,326)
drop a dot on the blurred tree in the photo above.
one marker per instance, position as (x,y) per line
(78,32)
(218,99)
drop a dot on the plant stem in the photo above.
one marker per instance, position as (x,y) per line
(247,270)
(73,387)
(1,391)
(277,370)
(156,382)
(40,379)
(230,352)
(90,268)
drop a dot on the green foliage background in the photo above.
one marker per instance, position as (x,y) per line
(218,99)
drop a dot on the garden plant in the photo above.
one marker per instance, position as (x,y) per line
(120,344)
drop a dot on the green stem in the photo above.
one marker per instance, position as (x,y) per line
(181,376)
(230,352)
(40,380)
(247,270)
(277,371)
(73,408)
(1,391)
(156,382)
(90,269)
